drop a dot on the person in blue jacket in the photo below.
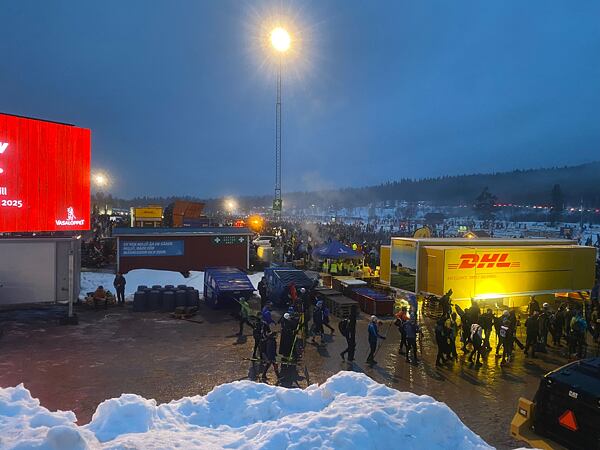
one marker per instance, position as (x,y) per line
(266,315)
(373,337)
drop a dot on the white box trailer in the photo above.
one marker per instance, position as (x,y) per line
(39,270)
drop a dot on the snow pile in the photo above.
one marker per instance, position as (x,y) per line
(348,411)
(91,280)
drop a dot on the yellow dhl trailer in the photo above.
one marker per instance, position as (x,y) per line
(147,216)
(489,268)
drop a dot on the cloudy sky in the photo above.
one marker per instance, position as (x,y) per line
(180,95)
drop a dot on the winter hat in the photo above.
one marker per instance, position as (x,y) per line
(373,318)
(286,316)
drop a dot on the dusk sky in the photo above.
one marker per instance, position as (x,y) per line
(180,100)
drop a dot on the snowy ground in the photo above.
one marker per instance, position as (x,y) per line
(348,411)
(91,280)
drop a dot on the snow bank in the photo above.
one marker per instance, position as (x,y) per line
(348,411)
(91,280)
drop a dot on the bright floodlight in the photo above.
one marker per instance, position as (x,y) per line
(100,180)
(280,39)
(230,205)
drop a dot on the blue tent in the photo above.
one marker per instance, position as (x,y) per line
(336,250)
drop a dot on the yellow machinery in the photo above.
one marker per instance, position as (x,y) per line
(521,427)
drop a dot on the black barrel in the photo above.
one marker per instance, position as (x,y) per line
(192,297)
(169,286)
(180,297)
(139,301)
(154,298)
(156,286)
(142,287)
(168,301)
(182,286)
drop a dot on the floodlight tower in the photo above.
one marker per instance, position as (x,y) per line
(280,40)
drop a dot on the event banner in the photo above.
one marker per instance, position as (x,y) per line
(151,248)
(44,176)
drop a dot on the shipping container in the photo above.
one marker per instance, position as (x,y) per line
(488,268)
(37,270)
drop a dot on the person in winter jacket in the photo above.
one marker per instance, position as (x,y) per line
(271,354)
(532,326)
(508,340)
(348,330)
(412,330)
(262,291)
(487,323)
(544,324)
(266,314)
(401,318)
(244,314)
(257,334)
(119,284)
(318,321)
(441,340)
(502,327)
(514,323)
(373,339)
(477,340)
(578,330)
(558,325)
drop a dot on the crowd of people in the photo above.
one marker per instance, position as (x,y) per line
(474,329)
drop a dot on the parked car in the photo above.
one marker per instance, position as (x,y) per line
(264,241)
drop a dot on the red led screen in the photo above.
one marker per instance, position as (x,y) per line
(44,176)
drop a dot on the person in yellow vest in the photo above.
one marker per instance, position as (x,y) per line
(325,267)
(345,266)
(354,246)
(333,270)
(350,268)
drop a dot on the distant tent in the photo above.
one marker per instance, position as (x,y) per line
(336,250)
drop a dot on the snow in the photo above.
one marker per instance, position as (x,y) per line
(348,411)
(91,280)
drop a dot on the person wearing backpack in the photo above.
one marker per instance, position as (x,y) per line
(502,327)
(508,341)
(578,329)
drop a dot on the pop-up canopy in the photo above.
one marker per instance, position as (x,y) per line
(336,250)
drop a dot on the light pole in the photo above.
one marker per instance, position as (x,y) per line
(280,40)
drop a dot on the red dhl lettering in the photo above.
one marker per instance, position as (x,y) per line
(484,261)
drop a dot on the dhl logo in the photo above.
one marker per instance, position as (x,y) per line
(486,260)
